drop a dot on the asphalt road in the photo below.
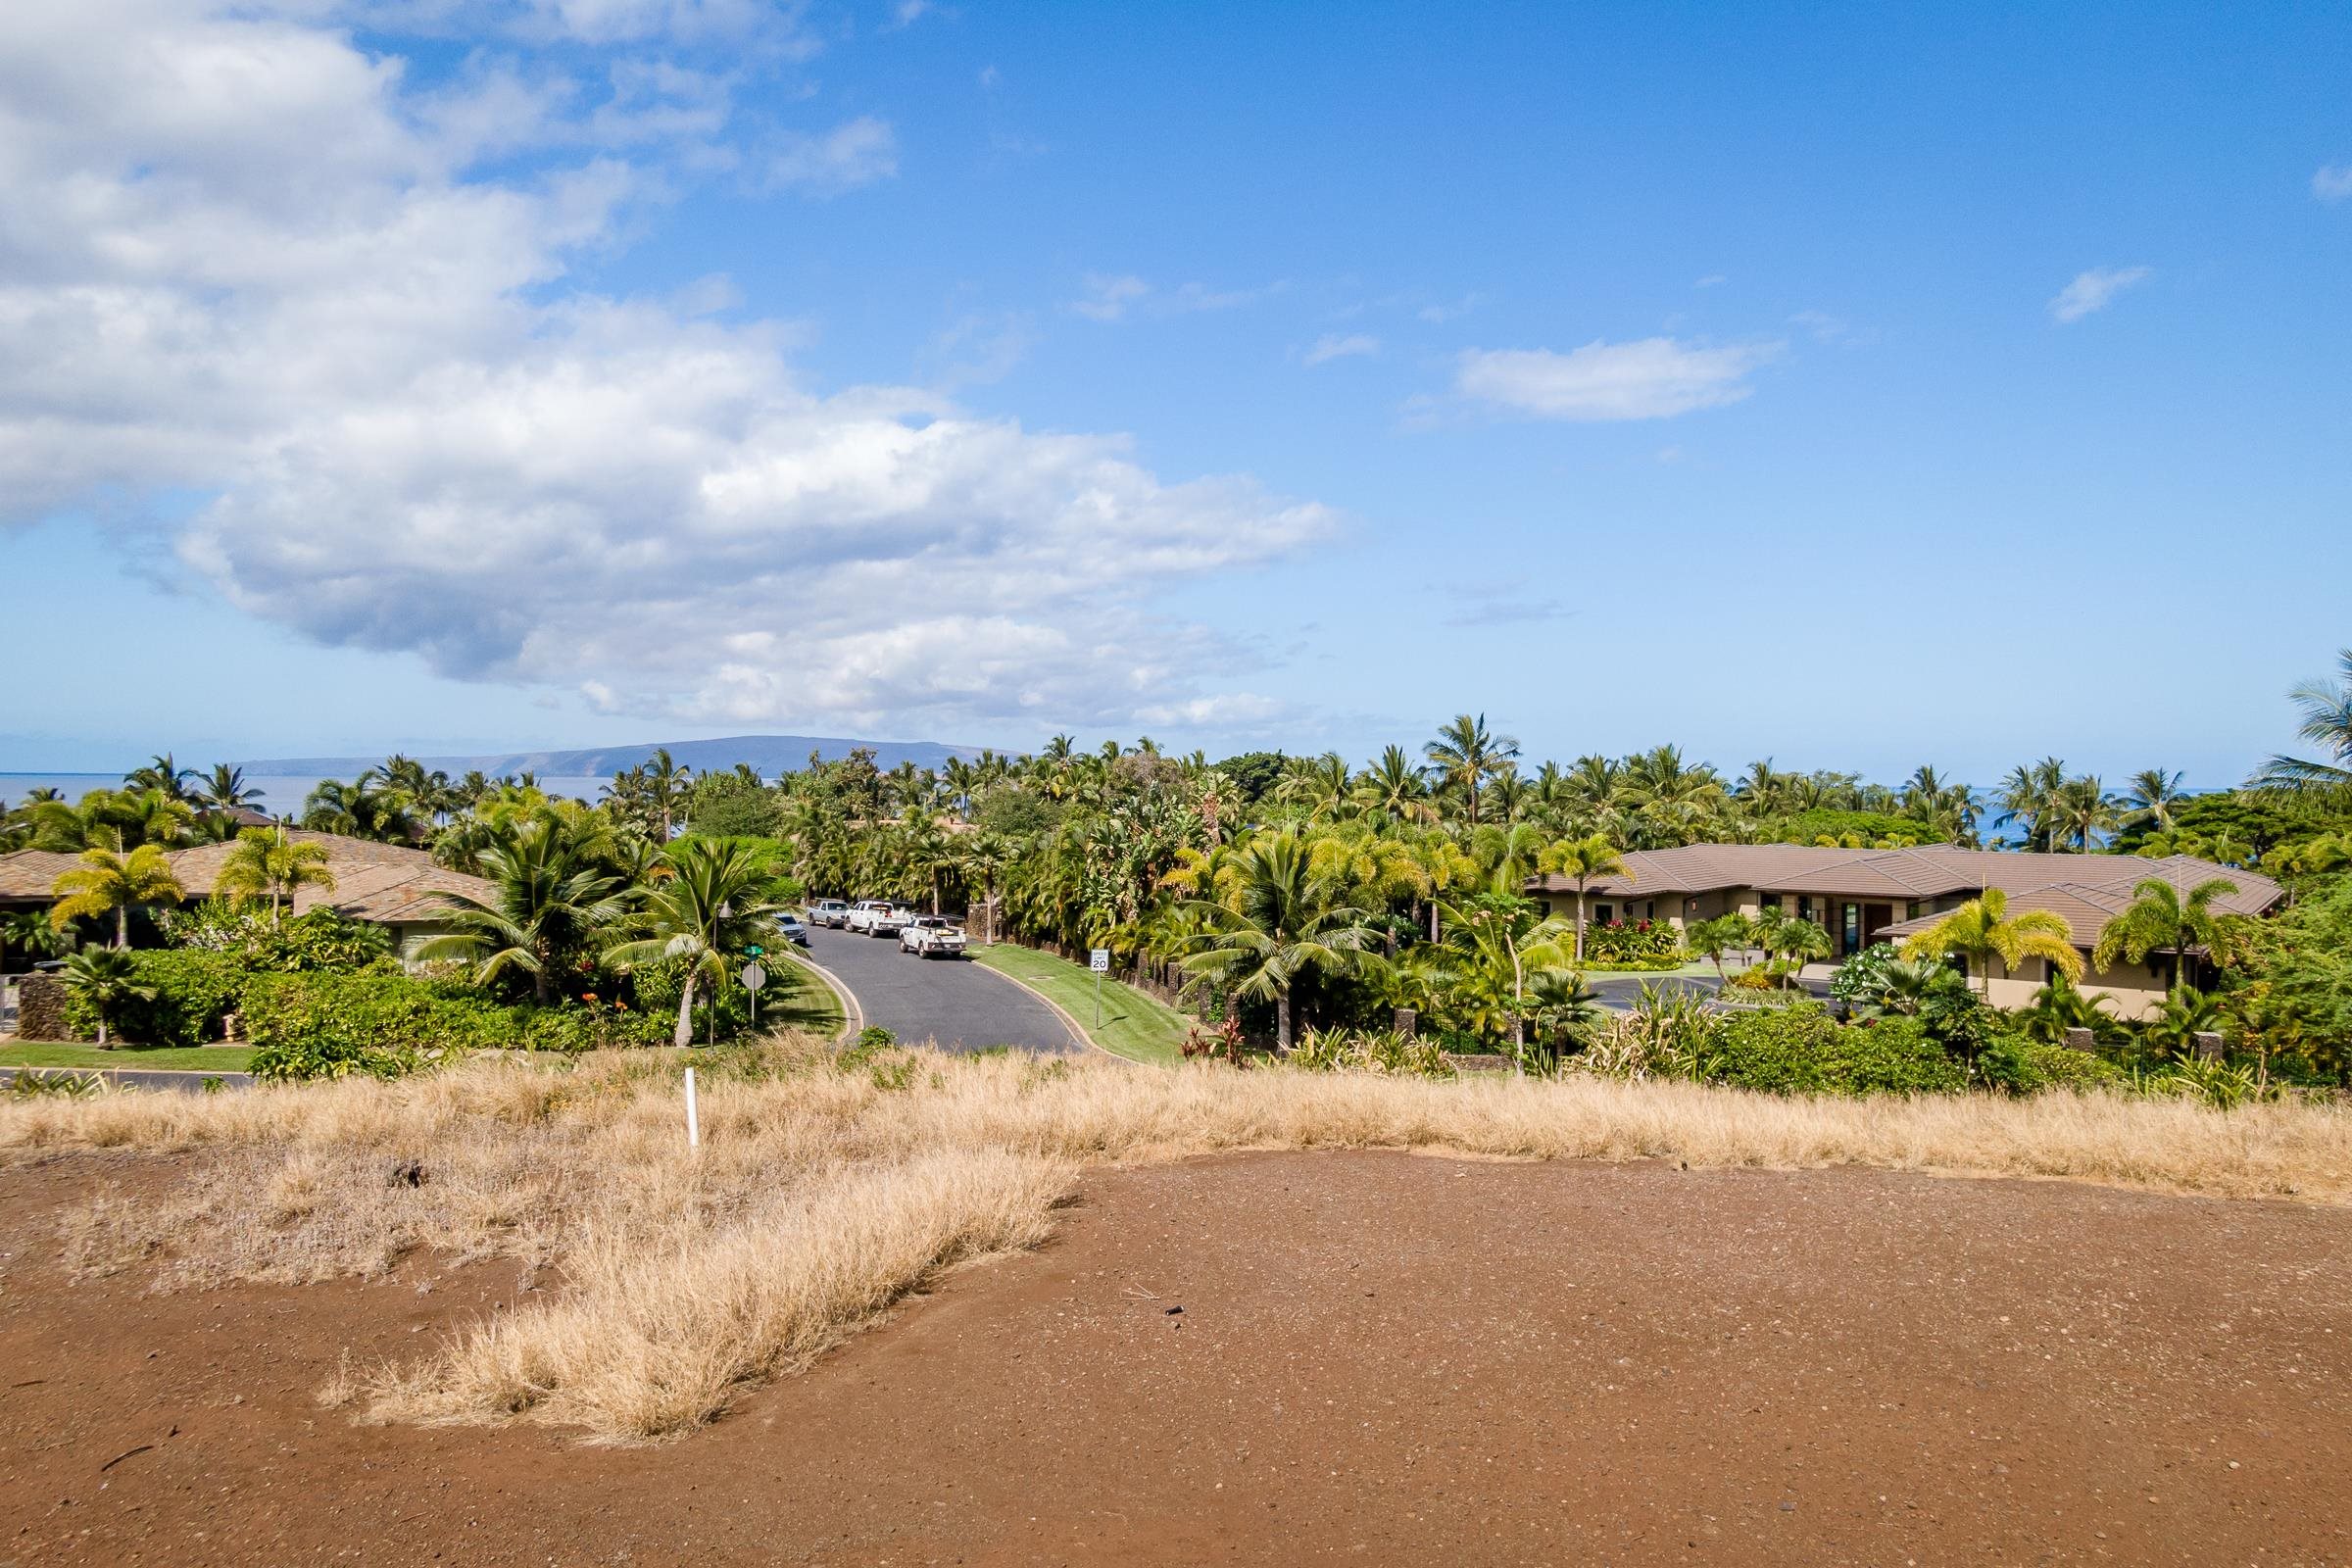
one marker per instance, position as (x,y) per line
(951,1001)
(135,1077)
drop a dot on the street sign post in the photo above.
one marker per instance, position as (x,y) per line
(1100,963)
(753,978)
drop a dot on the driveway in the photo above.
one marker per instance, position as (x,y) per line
(190,1083)
(953,1003)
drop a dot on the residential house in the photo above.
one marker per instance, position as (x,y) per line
(1861,897)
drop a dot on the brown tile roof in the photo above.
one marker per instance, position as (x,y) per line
(2088,890)
(389,884)
(31,874)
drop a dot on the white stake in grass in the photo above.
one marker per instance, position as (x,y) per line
(694,1126)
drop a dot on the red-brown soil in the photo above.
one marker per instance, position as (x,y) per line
(1380,1358)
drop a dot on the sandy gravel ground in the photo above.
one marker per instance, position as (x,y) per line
(1378,1358)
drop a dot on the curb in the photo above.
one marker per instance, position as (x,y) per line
(1077,1033)
(852,1011)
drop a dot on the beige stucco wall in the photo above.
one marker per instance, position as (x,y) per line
(2137,989)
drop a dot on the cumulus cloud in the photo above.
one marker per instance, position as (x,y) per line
(1332,346)
(855,153)
(2095,290)
(2332,183)
(236,266)
(1651,378)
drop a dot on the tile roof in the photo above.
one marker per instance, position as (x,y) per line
(386,883)
(2088,890)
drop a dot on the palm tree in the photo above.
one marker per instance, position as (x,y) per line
(2154,797)
(225,790)
(2080,810)
(1584,861)
(1712,939)
(1280,921)
(713,907)
(1393,788)
(163,772)
(264,863)
(548,901)
(1499,930)
(29,931)
(107,980)
(1982,929)
(107,883)
(666,785)
(2327,723)
(1465,753)
(2160,920)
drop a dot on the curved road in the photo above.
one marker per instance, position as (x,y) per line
(951,1001)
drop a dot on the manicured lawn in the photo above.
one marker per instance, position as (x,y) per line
(1136,1026)
(794,997)
(170,1058)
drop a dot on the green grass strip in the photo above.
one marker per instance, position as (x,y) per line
(1137,1026)
(170,1058)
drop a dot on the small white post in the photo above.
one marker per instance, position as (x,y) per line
(694,1126)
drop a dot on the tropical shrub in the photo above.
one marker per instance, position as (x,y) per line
(2063,1067)
(1802,1049)
(387,1024)
(182,996)
(317,941)
(1633,942)
(1379,1050)
(1862,978)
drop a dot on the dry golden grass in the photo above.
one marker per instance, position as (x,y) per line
(820,1195)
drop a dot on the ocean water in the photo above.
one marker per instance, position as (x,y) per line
(282,795)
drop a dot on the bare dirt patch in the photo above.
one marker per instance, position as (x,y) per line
(1378,1358)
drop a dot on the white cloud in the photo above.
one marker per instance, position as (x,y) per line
(906,13)
(1332,346)
(1711,280)
(1652,379)
(1439,314)
(235,265)
(2332,183)
(2095,290)
(1109,296)
(855,153)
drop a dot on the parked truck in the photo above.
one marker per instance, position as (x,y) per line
(875,918)
(932,936)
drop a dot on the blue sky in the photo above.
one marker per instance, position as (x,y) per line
(1852,388)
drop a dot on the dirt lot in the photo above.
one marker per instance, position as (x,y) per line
(1379,1358)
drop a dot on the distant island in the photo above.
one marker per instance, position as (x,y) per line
(769,753)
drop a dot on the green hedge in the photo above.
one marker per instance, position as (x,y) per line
(1802,1049)
(194,991)
(321,1025)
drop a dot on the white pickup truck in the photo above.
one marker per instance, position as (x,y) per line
(876,917)
(932,936)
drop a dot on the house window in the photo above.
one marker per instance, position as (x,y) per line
(1804,909)
(1911,910)
(1602,914)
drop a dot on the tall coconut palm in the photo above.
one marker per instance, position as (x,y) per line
(2326,706)
(713,905)
(1585,861)
(2079,811)
(1280,921)
(107,883)
(667,782)
(548,903)
(264,864)
(164,772)
(2154,797)
(2159,920)
(1982,929)
(223,791)
(1394,788)
(1465,753)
